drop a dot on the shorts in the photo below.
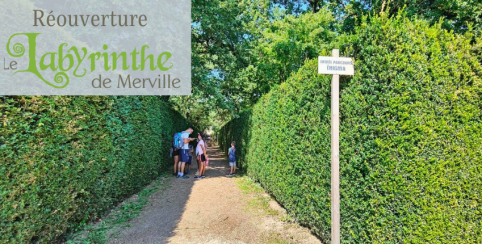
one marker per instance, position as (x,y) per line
(201,158)
(232,164)
(184,155)
(190,160)
(175,152)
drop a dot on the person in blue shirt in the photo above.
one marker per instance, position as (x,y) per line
(184,153)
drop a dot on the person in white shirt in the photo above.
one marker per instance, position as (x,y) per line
(201,156)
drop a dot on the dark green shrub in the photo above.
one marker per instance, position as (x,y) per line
(65,160)
(411,138)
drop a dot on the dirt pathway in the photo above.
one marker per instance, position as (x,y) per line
(217,209)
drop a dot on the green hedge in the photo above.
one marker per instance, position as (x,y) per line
(411,137)
(66,160)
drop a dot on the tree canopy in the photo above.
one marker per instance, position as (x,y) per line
(241,49)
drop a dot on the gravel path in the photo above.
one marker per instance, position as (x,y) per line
(211,210)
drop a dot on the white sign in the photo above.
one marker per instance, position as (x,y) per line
(335,66)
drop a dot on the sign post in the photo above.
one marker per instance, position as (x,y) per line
(336,66)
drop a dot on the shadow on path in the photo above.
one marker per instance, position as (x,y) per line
(162,214)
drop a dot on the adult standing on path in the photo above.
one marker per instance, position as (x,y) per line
(184,153)
(201,155)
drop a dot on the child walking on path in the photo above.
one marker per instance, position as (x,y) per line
(232,158)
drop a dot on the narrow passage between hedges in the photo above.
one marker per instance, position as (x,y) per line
(217,209)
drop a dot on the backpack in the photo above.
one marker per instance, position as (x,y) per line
(178,142)
(232,155)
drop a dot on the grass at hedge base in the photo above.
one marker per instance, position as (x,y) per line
(410,138)
(65,160)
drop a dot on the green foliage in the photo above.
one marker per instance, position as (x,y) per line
(240,49)
(221,35)
(455,14)
(66,160)
(410,137)
(282,48)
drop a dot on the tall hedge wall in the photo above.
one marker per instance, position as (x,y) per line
(65,160)
(411,138)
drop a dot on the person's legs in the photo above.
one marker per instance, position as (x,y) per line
(203,163)
(183,158)
(176,161)
(181,169)
(203,166)
(198,166)
(188,165)
(233,168)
